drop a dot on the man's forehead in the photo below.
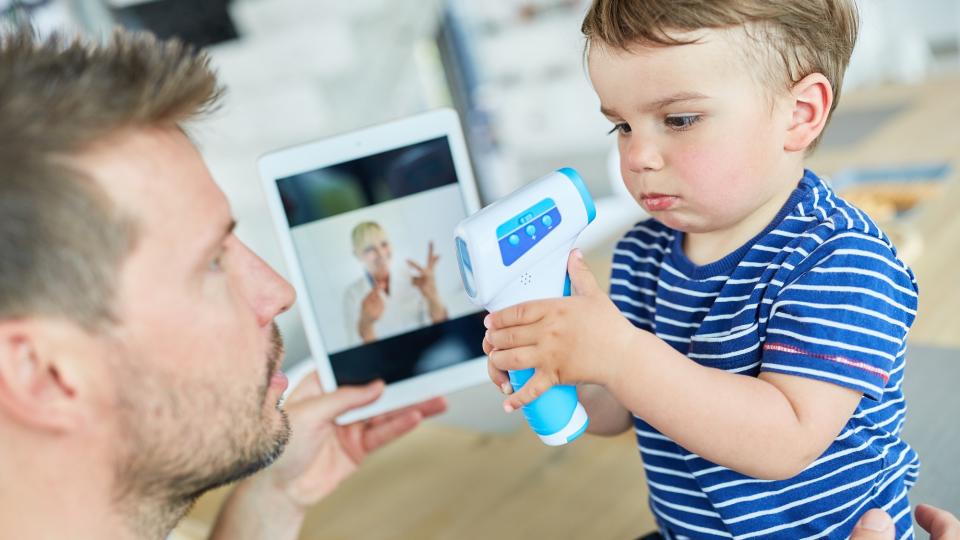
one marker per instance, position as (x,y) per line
(158,177)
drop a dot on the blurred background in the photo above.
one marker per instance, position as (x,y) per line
(298,70)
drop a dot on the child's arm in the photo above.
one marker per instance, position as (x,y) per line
(607,416)
(770,427)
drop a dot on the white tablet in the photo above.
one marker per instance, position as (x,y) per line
(365,219)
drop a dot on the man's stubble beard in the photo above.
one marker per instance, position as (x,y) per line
(160,475)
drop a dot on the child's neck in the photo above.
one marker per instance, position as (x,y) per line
(707,247)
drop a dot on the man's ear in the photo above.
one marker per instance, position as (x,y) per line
(36,390)
(811,98)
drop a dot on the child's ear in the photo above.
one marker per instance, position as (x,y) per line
(811,99)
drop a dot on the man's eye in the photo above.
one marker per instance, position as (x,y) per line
(216,264)
(681,122)
(622,127)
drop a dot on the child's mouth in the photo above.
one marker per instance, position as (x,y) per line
(656,202)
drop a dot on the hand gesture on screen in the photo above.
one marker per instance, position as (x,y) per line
(425,280)
(371,309)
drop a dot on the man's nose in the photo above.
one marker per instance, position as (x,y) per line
(271,295)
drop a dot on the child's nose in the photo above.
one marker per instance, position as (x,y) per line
(641,155)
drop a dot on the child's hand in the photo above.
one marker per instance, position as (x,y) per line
(578,339)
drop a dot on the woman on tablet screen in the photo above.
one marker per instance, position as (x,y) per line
(380,304)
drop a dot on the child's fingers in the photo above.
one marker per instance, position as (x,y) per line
(525,313)
(487,346)
(515,336)
(513,359)
(534,388)
(582,280)
(499,378)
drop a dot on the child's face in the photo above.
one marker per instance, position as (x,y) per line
(701,144)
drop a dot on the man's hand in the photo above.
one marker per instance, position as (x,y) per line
(320,455)
(579,339)
(877,525)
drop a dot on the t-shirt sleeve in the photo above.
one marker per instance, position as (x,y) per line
(844,319)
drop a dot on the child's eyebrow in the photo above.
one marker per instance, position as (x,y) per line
(680,96)
(663,102)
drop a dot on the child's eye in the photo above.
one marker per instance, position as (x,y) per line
(622,127)
(680,122)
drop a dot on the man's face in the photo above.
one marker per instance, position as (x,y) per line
(196,350)
(700,140)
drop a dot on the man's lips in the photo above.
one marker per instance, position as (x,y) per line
(653,202)
(276,377)
(279,381)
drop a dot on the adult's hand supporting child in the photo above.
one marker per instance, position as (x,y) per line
(877,524)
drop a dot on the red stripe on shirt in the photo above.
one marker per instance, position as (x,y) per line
(783,347)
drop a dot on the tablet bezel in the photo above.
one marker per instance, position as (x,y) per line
(357,144)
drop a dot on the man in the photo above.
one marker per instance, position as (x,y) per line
(878,525)
(139,360)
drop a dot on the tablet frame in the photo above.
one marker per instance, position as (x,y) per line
(327,152)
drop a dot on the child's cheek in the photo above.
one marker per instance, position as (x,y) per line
(707,171)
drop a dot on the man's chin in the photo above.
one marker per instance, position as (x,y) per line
(268,450)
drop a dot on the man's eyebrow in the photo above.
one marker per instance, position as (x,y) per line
(232,226)
(663,102)
(227,231)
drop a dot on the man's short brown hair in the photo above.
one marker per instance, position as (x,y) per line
(791,38)
(62,240)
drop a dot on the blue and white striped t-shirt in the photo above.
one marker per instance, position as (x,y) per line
(819,293)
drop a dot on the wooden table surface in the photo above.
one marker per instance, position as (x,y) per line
(445,482)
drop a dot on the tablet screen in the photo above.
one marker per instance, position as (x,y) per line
(373,236)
